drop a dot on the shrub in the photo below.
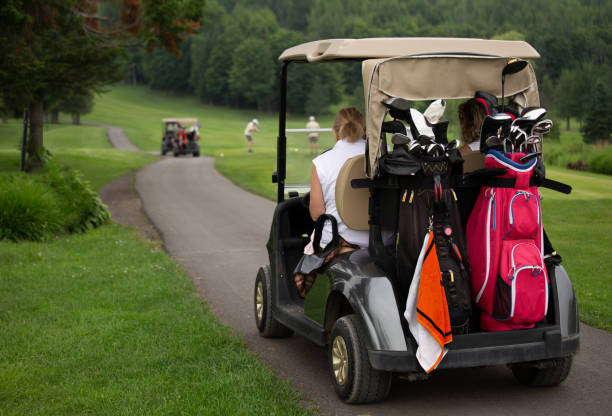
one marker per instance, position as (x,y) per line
(602,162)
(28,210)
(81,206)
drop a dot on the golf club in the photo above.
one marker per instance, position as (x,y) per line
(531,143)
(530,156)
(542,127)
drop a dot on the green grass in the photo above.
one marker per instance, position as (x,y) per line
(139,111)
(84,148)
(107,323)
(580,227)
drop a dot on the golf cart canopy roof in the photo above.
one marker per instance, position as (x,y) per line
(359,49)
(181,121)
(422,69)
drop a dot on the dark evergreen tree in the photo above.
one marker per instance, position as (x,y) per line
(598,121)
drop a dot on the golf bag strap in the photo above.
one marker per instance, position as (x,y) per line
(403,182)
(511,182)
(318,231)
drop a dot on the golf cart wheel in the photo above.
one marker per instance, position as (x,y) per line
(163,150)
(354,379)
(543,373)
(264,319)
(196,154)
(175,152)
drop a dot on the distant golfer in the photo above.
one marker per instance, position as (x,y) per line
(313,137)
(248,132)
(194,131)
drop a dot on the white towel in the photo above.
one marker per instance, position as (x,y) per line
(429,352)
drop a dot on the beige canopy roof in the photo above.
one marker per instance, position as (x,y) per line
(423,69)
(419,78)
(346,49)
(181,121)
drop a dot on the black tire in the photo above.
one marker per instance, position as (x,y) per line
(262,301)
(196,154)
(354,379)
(543,373)
(175,152)
(163,150)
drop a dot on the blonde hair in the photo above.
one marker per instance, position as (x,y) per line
(349,124)
(471,115)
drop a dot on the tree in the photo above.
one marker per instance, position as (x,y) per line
(167,71)
(252,73)
(76,105)
(65,47)
(598,120)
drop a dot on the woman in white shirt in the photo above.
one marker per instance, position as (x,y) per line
(349,132)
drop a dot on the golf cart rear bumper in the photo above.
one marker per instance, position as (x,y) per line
(551,346)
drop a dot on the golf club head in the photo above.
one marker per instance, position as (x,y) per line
(453,144)
(425,141)
(533,114)
(542,127)
(434,149)
(529,156)
(414,146)
(399,139)
(513,66)
(496,125)
(531,143)
(494,142)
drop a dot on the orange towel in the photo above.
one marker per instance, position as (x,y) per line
(427,310)
(432,309)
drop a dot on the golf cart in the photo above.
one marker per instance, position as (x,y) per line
(355,306)
(177,138)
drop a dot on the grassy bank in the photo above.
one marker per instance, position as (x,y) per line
(85,335)
(107,323)
(570,149)
(85,148)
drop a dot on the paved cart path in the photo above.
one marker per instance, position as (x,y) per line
(218,231)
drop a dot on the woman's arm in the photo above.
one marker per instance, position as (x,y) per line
(317,203)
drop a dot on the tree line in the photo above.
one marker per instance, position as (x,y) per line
(232,61)
(55,54)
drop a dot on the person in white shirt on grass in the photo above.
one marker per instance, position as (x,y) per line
(248,132)
(313,137)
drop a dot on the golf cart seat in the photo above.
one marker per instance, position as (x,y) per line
(473,161)
(352,203)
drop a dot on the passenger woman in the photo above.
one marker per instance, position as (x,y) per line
(349,132)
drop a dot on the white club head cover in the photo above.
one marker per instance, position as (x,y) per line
(435,111)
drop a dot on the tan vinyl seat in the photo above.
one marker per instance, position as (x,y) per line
(352,203)
(473,161)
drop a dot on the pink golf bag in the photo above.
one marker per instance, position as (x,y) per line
(505,245)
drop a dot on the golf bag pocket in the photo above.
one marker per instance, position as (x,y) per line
(521,295)
(523,215)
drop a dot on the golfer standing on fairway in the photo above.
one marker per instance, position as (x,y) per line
(313,137)
(248,132)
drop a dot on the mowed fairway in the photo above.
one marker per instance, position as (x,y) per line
(579,224)
(85,148)
(139,112)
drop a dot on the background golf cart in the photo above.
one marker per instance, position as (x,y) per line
(352,305)
(170,137)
